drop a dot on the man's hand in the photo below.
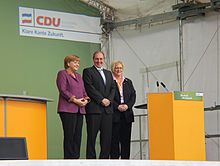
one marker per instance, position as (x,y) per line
(106,102)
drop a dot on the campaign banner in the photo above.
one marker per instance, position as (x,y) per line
(188,95)
(59,25)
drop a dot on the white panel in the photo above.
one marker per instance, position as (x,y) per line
(158,46)
(58,25)
(201,56)
(151,47)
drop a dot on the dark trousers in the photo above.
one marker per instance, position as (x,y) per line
(103,123)
(72,129)
(121,139)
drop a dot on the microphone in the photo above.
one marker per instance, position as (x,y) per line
(164,86)
(158,86)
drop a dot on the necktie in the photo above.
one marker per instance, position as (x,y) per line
(102,74)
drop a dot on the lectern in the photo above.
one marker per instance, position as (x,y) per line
(176,126)
(25,116)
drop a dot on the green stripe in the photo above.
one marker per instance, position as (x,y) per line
(178,95)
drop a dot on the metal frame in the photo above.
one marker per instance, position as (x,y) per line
(180,11)
(106,10)
(141,140)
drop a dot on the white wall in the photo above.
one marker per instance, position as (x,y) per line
(157,48)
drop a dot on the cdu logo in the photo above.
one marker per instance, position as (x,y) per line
(26,18)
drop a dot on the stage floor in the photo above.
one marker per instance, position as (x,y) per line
(106,163)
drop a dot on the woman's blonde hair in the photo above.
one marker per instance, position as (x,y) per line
(115,63)
(70,58)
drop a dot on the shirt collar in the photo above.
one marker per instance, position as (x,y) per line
(123,78)
(99,69)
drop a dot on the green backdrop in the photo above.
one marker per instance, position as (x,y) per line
(31,64)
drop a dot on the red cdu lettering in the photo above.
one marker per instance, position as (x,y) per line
(40,20)
(48,21)
(56,24)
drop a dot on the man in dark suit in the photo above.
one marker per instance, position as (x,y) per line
(100,87)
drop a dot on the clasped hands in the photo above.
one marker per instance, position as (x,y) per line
(80,101)
(106,102)
(122,107)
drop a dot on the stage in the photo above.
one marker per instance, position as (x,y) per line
(106,163)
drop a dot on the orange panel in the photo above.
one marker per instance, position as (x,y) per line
(176,128)
(28,119)
(189,131)
(160,117)
(1,117)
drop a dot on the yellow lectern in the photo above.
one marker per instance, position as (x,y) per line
(25,116)
(176,126)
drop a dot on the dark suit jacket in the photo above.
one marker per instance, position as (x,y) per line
(129,99)
(97,90)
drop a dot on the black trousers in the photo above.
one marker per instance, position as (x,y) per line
(121,139)
(72,129)
(103,123)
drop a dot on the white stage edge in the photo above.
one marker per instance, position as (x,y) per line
(106,163)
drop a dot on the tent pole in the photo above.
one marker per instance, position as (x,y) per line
(181,54)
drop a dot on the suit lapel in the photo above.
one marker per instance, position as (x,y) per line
(98,75)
